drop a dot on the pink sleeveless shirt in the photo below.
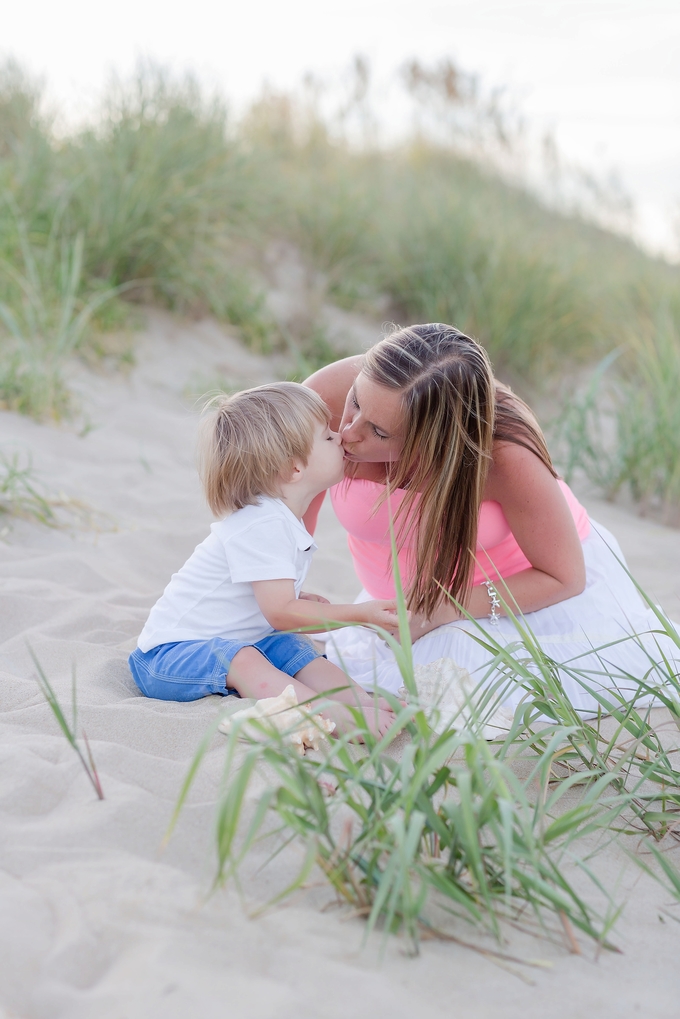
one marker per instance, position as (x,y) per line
(368,537)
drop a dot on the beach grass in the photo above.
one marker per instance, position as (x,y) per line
(69,729)
(621,429)
(21,492)
(457,827)
(45,317)
(167,193)
(24,495)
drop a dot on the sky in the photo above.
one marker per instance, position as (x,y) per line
(602,75)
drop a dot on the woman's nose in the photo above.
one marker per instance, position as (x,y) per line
(348,431)
(351,421)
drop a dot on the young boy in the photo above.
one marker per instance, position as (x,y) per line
(265,454)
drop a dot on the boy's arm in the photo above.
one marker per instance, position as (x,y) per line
(283,611)
(314,597)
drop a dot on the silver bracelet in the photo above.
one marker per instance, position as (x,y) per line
(494,615)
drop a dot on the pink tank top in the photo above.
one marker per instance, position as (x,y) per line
(368,537)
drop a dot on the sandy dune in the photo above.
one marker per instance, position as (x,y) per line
(94,922)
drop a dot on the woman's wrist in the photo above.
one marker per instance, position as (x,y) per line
(446,613)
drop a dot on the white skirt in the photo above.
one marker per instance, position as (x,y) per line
(601,640)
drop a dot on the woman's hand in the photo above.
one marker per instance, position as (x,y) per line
(314,597)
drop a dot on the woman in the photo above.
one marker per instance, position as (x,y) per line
(461,464)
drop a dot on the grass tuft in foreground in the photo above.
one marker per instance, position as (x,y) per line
(448,830)
(455,826)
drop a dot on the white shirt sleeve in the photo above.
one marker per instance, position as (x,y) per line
(265,550)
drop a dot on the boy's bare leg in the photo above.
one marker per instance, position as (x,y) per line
(322,676)
(253,676)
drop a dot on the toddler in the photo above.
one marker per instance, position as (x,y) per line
(265,454)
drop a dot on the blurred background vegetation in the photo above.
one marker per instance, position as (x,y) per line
(164,198)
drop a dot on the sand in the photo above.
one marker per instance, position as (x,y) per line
(96,922)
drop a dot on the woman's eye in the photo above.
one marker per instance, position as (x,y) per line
(375,430)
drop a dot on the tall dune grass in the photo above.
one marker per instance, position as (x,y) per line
(622,429)
(164,188)
(46,321)
(445,238)
(157,185)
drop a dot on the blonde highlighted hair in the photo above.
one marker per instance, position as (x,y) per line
(250,440)
(454,411)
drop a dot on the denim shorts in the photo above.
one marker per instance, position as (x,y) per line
(191,669)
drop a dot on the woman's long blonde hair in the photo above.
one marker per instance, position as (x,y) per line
(454,411)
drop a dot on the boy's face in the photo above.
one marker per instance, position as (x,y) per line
(326,463)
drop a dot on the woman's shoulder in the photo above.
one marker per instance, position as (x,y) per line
(334,381)
(513,467)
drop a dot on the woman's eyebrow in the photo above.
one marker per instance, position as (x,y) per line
(378,428)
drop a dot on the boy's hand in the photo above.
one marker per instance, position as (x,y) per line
(314,597)
(380,613)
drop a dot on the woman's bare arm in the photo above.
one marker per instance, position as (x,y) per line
(544,528)
(333,382)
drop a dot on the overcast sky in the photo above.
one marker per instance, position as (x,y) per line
(603,75)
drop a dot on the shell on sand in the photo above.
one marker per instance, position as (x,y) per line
(300,724)
(445,691)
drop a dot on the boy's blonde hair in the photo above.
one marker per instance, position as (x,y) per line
(250,439)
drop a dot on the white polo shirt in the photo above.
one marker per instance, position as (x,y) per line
(212,595)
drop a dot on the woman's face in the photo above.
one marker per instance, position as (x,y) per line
(372,423)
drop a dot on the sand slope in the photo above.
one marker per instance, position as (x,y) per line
(94,921)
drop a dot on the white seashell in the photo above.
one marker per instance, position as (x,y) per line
(302,725)
(445,692)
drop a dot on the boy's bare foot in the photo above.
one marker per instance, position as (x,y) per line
(377,720)
(358,696)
